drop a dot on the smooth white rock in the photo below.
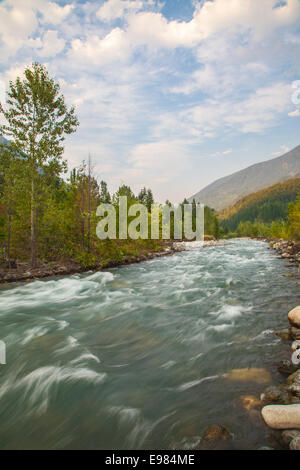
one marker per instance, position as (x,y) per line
(282,416)
(294,317)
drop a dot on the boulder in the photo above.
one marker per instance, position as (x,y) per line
(283,334)
(295,444)
(295,333)
(294,389)
(282,416)
(288,435)
(276,394)
(294,317)
(248,402)
(287,367)
(216,432)
(294,378)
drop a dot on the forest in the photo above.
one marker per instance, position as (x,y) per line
(272,212)
(48,213)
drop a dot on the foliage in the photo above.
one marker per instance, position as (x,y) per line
(265,206)
(37,120)
(44,217)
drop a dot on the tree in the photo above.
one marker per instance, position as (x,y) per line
(149,199)
(142,196)
(37,121)
(104,194)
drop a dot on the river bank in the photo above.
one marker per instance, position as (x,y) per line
(281,401)
(22,271)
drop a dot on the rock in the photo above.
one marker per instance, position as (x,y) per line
(288,435)
(276,394)
(265,448)
(295,333)
(287,367)
(294,389)
(252,374)
(283,334)
(216,432)
(248,402)
(295,444)
(294,378)
(294,317)
(282,416)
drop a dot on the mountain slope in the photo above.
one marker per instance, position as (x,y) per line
(267,205)
(226,191)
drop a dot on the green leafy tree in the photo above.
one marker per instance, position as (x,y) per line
(37,120)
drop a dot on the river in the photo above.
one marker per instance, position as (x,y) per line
(137,357)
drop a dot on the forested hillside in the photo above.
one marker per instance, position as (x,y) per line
(265,206)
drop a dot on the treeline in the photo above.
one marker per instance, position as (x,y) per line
(43,216)
(263,207)
(288,228)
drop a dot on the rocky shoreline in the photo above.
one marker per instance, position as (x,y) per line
(279,404)
(288,250)
(22,272)
(282,402)
(281,410)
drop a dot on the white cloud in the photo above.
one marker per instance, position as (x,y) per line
(50,45)
(283,149)
(17,23)
(295,113)
(151,91)
(113,47)
(113,9)
(259,111)
(210,18)
(52,12)
(161,166)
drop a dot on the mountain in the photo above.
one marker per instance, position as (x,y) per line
(267,205)
(226,191)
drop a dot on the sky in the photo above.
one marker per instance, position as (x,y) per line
(170,94)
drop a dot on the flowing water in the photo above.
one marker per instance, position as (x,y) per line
(138,357)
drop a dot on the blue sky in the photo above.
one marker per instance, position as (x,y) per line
(170,94)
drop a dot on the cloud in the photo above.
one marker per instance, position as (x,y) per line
(17,22)
(295,113)
(52,12)
(113,9)
(283,149)
(113,47)
(257,112)
(159,165)
(50,45)
(154,93)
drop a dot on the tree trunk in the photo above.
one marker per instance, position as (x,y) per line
(89,205)
(8,240)
(33,225)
